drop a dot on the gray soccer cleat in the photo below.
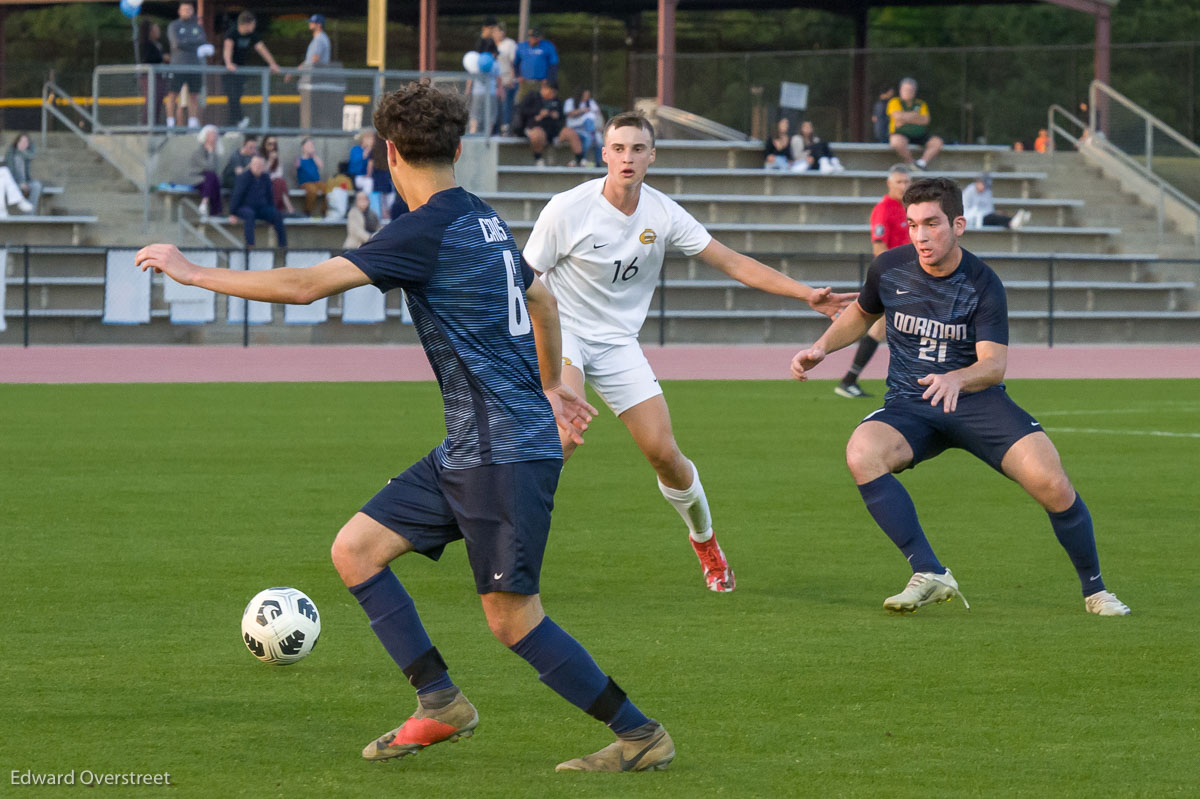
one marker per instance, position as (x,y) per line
(925,588)
(1105,603)
(648,754)
(426,728)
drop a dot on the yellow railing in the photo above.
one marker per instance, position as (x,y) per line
(213,99)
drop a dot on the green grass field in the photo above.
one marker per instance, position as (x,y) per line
(139,520)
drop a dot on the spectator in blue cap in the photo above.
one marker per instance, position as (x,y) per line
(319,51)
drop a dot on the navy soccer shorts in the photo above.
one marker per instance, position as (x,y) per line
(501,511)
(986,424)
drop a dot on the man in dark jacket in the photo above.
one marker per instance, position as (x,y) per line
(252,200)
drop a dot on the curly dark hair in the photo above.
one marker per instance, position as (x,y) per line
(630,119)
(424,123)
(943,191)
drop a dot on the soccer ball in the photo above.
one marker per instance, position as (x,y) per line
(280,626)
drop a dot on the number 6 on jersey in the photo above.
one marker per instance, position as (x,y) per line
(518,317)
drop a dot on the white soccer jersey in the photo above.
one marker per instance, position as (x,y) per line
(601,265)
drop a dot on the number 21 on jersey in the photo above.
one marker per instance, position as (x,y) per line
(518,316)
(932,350)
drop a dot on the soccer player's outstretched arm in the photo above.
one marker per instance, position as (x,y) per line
(571,411)
(758,275)
(289,285)
(848,328)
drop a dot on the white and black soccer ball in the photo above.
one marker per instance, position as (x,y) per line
(280,626)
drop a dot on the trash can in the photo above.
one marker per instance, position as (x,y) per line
(321,99)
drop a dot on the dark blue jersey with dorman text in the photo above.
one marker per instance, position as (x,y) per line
(465,286)
(933,323)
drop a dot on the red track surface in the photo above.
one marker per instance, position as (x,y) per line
(196,364)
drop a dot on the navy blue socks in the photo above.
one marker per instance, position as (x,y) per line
(893,510)
(566,667)
(1073,527)
(396,623)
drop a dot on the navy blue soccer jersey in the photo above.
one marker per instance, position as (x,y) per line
(465,285)
(933,323)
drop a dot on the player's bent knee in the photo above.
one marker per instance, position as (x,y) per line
(511,617)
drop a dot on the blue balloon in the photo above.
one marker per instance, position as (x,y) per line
(486,62)
(131,8)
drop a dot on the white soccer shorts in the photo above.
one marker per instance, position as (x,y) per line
(619,373)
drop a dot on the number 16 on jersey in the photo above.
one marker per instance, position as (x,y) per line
(624,272)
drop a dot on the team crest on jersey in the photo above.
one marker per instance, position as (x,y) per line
(648,236)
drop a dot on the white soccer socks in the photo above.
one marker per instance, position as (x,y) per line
(692,506)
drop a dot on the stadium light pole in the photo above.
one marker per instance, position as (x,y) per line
(523,21)
(377,34)
(666,52)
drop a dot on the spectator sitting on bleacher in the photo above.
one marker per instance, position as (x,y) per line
(19,156)
(279,187)
(909,124)
(809,151)
(308,177)
(979,208)
(10,194)
(202,171)
(251,200)
(361,164)
(238,162)
(542,121)
(584,117)
(361,222)
(777,153)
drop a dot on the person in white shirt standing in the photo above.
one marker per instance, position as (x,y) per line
(600,248)
(507,53)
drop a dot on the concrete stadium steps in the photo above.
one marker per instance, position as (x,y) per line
(1023,295)
(86,328)
(787,209)
(749,155)
(849,267)
(1124,327)
(1025,327)
(751,237)
(46,229)
(691,180)
(114,200)
(767,237)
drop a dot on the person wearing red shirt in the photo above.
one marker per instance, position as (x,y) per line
(889,228)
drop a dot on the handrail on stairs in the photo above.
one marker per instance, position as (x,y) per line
(51,91)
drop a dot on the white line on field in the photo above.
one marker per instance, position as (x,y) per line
(1150,409)
(1156,433)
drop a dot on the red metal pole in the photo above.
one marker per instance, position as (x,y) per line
(666,51)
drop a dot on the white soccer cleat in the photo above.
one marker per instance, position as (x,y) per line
(1105,603)
(925,588)
(25,206)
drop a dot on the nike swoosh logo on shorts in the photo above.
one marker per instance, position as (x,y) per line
(898,291)
(497,576)
(598,246)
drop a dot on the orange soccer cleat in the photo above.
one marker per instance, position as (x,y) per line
(717,574)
